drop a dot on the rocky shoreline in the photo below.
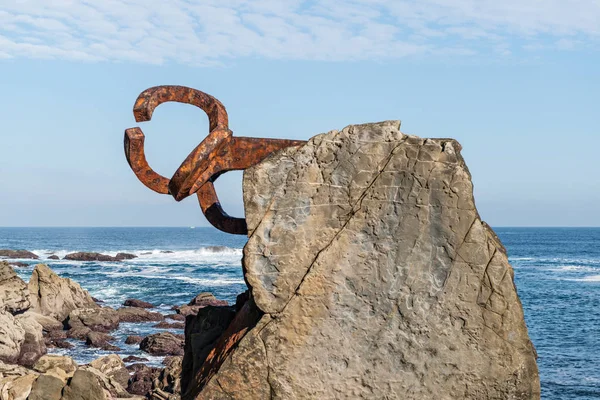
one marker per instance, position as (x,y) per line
(49,312)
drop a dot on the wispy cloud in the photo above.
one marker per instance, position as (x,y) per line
(212,31)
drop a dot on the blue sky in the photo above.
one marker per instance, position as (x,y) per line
(517,82)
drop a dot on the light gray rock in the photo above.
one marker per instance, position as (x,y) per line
(12,336)
(14,295)
(54,296)
(377,278)
(34,345)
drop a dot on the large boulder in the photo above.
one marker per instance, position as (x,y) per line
(14,295)
(135,314)
(113,367)
(377,279)
(7,253)
(100,319)
(162,344)
(34,345)
(12,337)
(54,296)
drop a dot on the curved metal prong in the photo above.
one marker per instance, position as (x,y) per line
(136,157)
(211,207)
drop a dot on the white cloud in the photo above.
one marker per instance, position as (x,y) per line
(213,31)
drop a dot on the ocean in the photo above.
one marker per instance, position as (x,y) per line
(557,273)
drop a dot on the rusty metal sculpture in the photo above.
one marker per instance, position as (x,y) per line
(218,153)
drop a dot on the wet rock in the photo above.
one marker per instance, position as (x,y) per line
(98,301)
(162,344)
(135,314)
(79,333)
(170,325)
(100,319)
(53,257)
(14,296)
(133,339)
(141,380)
(200,301)
(60,344)
(376,277)
(88,256)
(132,359)
(54,296)
(101,340)
(113,367)
(166,252)
(18,254)
(19,264)
(176,317)
(124,256)
(137,303)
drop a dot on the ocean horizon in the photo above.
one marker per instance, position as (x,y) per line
(556,269)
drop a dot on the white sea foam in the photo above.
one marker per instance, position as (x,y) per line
(208,254)
(589,278)
(573,268)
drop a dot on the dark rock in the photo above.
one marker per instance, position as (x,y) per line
(56,335)
(169,379)
(100,319)
(100,340)
(200,301)
(202,331)
(124,256)
(53,257)
(135,314)
(176,317)
(166,251)
(88,256)
(97,301)
(19,264)
(162,344)
(78,333)
(140,382)
(18,254)
(131,359)
(61,344)
(137,303)
(241,299)
(133,339)
(170,325)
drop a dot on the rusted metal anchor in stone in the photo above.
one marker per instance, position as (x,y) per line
(218,153)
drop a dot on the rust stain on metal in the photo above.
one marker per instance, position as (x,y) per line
(218,153)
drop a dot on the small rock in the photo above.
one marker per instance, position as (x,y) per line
(133,339)
(135,314)
(61,344)
(163,344)
(101,340)
(18,254)
(166,251)
(200,301)
(19,264)
(130,359)
(137,303)
(176,317)
(170,325)
(78,333)
(97,300)
(56,335)
(88,256)
(124,256)
(53,257)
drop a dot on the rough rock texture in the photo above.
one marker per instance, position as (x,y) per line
(137,303)
(54,296)
(113,367)
(102,319)
(18,254)
(162,344)
(14,296)
(377,278)
(200,301)
(135,314)
(34,345)
(12,336)
(90,256)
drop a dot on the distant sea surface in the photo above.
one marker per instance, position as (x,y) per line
(557,273)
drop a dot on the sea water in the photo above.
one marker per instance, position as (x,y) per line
(557,273)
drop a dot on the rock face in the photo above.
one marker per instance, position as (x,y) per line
(18,254)
(374,277)
(90,256)
(162,344)
(54,296)
(14,296)
(100,319)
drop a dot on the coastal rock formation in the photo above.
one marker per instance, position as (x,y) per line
(200,301)
(99,319)
(18,254)
(135,314)
(137,303)
(54,296)
(12,337)
(162,344)
(371,275)
(14,296)
(90,256)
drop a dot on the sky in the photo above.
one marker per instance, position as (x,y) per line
(516,82)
